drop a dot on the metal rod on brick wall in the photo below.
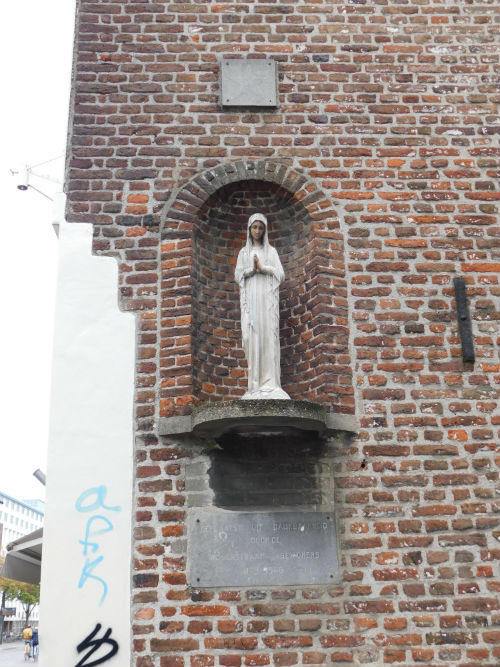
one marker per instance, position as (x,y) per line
(463,319)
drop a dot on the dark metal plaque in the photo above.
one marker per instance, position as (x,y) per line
(261,548)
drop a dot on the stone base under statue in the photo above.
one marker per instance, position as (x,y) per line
(212,420)
(276,394)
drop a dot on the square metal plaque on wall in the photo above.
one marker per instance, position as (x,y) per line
(261,548)
(249,83)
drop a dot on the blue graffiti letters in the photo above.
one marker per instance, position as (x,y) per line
(87,574)
(100,493)
(88,533)
(94,645)
(97,525)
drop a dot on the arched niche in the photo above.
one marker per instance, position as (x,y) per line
(201,358)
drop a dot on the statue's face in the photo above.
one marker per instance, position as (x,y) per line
(257,230)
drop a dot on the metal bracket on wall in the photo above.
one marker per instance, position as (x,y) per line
(463,319)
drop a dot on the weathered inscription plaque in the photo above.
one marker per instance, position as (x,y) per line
(260,548)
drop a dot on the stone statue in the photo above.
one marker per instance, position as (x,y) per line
(259,274)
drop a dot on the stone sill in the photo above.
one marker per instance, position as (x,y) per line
(212,420)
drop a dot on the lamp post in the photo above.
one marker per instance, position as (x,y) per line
(2,621)
(3,592)
(40,476)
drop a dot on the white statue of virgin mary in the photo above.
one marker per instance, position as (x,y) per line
(259,274)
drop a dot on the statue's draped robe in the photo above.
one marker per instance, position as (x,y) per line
(259,300)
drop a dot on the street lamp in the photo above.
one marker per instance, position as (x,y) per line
(23,183)
(41,477)
(27,171)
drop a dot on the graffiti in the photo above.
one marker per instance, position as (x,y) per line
(92,500)
(100,493)
(94,645)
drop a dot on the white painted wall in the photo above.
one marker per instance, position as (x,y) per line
(89,475)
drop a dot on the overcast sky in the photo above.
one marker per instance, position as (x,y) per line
(35,52)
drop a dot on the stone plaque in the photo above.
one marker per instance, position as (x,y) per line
(249,82)
(261,548)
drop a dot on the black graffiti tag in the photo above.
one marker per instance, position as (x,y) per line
(94,644)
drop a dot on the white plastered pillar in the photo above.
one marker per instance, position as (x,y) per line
(87,534)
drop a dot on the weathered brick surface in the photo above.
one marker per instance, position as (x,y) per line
(379,171)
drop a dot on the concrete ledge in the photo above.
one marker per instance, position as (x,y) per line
(339,422)
(212,420)
(175,425)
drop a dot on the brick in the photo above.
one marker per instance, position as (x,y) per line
(395,574)
(283,659)
(227,626)
(163,645)
(287,642)
(230,660)
(261,610)
(254,660)
(172,661)
(313,658)
(341,657)
(393,656)
(145,580)
(476,604)
(205,610)
(450,638)
(395,623)
(329,641)
(202,660)
(242,643)
(422,655)
(361,624)
(314,608)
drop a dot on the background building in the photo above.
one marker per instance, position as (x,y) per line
(18,518)
(377,166)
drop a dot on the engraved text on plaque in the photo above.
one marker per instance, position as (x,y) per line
(261,548)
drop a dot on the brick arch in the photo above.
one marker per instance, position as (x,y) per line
(204,226)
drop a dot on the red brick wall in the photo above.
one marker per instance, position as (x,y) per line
(388,113)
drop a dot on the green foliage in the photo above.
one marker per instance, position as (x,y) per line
(27,594)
